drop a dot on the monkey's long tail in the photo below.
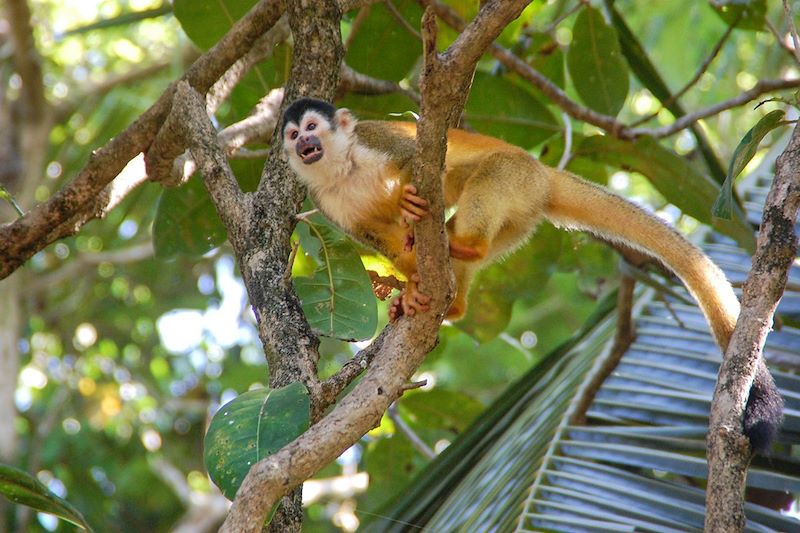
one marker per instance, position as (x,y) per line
(577,204)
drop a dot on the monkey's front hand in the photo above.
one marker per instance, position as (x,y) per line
(410,301)
(412,206)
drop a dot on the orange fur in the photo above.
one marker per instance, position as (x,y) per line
(501,193)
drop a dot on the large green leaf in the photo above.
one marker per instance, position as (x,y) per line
(249,428)
(382,47)
(596,65)
(518,117)
(337,299)
(22,488)
(391,464)
(680,182)
(741,156)
(206,21)
(186,221)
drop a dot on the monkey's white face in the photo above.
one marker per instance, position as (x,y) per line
(316,138)
(303,142)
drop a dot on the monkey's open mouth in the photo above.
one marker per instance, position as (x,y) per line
(310,151)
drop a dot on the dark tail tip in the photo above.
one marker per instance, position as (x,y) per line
(763,414)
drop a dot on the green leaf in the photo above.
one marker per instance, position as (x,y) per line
(22,488)
(206,21)
(383,48)
(270,73)
(337,299)
(390,463)
(186,222)
(746,14)
(680,182)
(496,288)
(546,56)
(251,427)
(596,65)
(440,408)
(741,156)
(518,117)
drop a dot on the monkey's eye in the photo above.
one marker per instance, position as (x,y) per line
(311,126)
(293,135)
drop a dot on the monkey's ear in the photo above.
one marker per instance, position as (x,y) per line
(344,119)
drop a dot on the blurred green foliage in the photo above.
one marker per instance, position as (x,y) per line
(125,357)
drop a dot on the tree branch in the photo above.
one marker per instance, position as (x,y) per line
(625,335)
(760,88)
(191,127)
(729,450)
(358,83)
(407,341)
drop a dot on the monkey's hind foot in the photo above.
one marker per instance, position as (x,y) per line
(410,302)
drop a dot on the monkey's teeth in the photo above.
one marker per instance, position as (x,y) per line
(311,155)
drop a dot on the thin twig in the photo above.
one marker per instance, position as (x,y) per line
(401,19)
(413,385)
(697,75)
(625,335)
(760,88)
(787,10)
(567,155)
(779,39)
(550,28)
(408,433)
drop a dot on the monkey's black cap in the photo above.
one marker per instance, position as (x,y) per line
(299,107)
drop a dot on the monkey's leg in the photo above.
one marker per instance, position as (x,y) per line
(499,206)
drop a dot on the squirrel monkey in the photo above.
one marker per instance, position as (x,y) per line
(359,173)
